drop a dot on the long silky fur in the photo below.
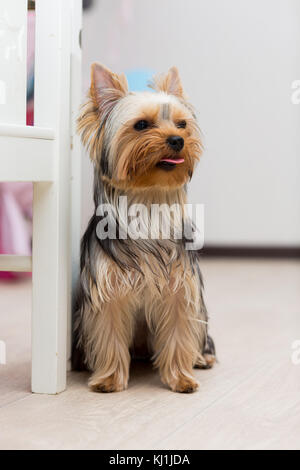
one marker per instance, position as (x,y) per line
(124,280)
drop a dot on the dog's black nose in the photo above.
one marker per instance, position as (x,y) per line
(176,142)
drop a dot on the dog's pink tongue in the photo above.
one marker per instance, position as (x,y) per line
(171,160)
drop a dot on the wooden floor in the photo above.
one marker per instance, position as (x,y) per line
(250,400)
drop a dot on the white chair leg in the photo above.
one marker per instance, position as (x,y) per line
(51,211)
(51,288)
(76,98)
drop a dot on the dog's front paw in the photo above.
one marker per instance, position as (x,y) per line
(107,384)
(184,384)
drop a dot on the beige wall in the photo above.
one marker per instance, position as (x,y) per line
(237,60)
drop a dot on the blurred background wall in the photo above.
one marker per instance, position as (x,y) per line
(238,60)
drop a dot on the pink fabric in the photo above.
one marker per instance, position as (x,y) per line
(16,198)
(15,221)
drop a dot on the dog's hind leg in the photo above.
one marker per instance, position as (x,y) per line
(207,357)
(207,351)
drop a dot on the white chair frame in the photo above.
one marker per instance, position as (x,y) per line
(47,154)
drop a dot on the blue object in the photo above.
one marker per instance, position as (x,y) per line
(139,78)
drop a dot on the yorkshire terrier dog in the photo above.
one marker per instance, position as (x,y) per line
(140,296)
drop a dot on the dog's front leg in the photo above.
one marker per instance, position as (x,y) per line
(177,328)
(109,335)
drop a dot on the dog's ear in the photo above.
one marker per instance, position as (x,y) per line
(107,87)
(169,83)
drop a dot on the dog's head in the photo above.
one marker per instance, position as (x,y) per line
(142,139)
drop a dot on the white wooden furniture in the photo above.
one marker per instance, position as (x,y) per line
(47,154)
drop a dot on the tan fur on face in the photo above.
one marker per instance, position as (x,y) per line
(108,118)
(138,152)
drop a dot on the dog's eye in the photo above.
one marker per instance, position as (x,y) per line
(181,124)
(141,125)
